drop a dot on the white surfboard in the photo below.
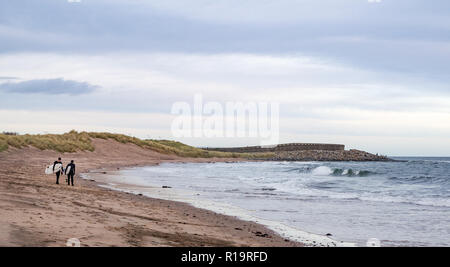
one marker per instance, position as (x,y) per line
(49,169)
(68,169)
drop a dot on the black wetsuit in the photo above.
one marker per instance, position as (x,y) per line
(71,173)
(57,173)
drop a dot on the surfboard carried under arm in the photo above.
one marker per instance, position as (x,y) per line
(50,170)
(68,169)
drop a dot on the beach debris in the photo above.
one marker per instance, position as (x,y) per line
(165,186)
(329,234)
(261,234)
(237,228)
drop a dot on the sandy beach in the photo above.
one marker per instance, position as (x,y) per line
(34,211)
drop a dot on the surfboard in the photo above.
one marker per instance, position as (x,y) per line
(49,169)
(68,169)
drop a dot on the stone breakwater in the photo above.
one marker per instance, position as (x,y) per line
(307,152)
(324,155)
(280,147)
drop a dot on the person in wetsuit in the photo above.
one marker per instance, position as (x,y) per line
(71,172)
(58,173)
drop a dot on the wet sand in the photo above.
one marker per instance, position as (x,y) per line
(34,211)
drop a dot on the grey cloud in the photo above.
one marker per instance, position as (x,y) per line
(48,86)
(405,36)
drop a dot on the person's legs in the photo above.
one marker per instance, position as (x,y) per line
(68,179)
(57,177)
(71,178)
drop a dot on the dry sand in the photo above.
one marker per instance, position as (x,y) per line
(34,211)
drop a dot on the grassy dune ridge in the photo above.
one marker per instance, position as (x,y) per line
(82,141)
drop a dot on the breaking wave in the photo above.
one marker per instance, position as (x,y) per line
(325,171)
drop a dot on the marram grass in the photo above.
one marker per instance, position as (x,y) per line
(68,142)
(75,141)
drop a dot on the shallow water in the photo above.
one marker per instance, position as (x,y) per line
(400,203)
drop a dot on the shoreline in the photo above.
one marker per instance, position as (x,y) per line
(36,212)
(106,179)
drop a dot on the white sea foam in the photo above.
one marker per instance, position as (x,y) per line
(322,171)
(222,208)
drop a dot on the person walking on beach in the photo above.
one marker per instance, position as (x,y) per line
(59,172)
(70,172)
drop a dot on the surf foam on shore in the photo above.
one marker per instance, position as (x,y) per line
(115,181)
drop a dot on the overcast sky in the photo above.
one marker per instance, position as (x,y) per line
(373,76)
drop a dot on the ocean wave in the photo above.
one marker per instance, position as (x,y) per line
(426,201)
(435,202)
(324,185)
(327,190)
(300,170)
(320,191)
(322,171)
(420,179)
(351,172)
(326,171)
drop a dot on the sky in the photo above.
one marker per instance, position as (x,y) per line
(371,75)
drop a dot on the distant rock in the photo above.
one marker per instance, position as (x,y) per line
(326,155)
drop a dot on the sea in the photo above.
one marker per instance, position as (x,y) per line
(402,203)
